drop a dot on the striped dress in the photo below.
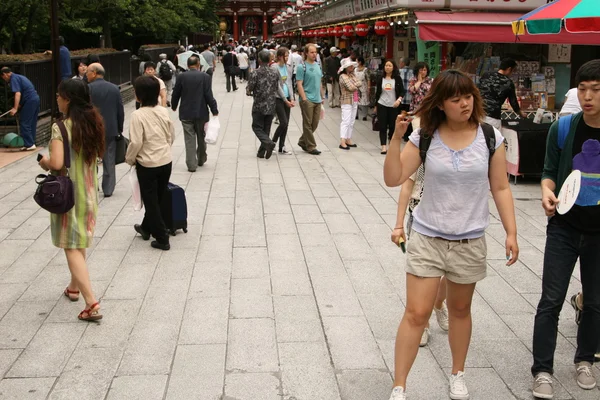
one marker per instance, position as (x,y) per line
(75,229)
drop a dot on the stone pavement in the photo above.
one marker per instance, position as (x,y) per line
(285,287)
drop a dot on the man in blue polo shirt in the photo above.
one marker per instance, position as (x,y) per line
(27,99)
(65,60)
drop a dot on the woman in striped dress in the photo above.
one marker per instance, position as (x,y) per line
(74,230)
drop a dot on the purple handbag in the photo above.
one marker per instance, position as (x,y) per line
(55,193)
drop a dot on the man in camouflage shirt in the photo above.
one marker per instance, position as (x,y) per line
(495,87)
(264,86)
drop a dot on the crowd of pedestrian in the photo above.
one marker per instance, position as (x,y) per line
(441,142)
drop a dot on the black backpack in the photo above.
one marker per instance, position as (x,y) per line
(488,132)
(252,54)
(164,71)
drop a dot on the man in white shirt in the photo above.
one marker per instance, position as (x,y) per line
(297,61)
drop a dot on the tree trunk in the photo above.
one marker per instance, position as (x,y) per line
(29,32)
(107,32)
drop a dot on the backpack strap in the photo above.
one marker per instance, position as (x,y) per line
(490,139)
(424,143)
(564,126)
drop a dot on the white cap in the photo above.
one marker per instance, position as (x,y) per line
(347,62)
(334,50)
(162,56)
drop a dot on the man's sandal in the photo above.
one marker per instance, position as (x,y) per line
(72,295)
(91,314)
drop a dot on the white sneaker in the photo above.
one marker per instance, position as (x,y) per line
(31,148)
(442,316)
(398,393)
(458,387)
(424,338)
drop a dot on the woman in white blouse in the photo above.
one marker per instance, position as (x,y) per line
(151,134)
(448,231)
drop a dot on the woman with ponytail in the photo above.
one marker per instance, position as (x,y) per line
(74,230)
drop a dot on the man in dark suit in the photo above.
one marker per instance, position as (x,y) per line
(194,88)
(229,62)
(107,97)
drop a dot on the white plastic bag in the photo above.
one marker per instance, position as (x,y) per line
(211,130)
(135,190)
(322,116)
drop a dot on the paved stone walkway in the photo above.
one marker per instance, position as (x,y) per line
(285,287)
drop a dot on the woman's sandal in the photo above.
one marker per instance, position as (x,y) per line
(91,314)
(72,295)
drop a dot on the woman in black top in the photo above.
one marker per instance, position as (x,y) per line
(388,98)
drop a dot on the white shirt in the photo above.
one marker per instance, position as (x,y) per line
(455,190)
(296,60)
(571,105)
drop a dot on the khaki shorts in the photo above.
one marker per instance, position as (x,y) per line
(462,262)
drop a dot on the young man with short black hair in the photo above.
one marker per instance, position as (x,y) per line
(576,234)
(495,88)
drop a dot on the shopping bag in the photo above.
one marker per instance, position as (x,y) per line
(122,144)
(136,194)
(211,130)
(322,116)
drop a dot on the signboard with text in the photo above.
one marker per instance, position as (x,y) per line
(487,5)
(430,53)
(362,7)
(340,11)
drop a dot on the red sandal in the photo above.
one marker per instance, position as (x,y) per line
(72,295)
(92,314)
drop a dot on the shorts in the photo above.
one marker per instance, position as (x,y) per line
(462,262)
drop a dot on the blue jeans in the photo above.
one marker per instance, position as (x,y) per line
(564,245)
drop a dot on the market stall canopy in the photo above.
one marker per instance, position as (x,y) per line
(487,28)
(573,16)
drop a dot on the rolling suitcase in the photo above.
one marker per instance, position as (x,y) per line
(175,207)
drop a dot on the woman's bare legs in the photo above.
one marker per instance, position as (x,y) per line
(79,274)
(420,296)
(441,295)
(459,310)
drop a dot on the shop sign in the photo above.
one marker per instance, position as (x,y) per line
(340,11)
(362,7)
(430,53)
(487,5)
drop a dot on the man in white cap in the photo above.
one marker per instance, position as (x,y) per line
(166,72)
(332,65)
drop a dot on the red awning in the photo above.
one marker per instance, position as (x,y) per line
(487,28)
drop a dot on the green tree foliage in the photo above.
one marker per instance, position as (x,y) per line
(24,24)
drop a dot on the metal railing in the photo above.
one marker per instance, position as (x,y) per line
(118,67)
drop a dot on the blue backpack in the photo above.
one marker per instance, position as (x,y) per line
(564,126)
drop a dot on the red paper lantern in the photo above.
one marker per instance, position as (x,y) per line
(338,31)
(348,30)
(323,32)
(361,30)
(330,31)
(382,28)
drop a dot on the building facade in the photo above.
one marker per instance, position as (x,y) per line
(241,19)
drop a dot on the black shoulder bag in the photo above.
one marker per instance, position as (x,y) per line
(55,193)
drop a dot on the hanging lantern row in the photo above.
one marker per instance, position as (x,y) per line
(381,28)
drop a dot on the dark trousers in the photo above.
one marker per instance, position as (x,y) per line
(28,120)
(195,146)
(406,107)
(563,246)
(230,79)
(244,74)
(109,178)
(261,125)
(153,188)
(283,113)
(387,122)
